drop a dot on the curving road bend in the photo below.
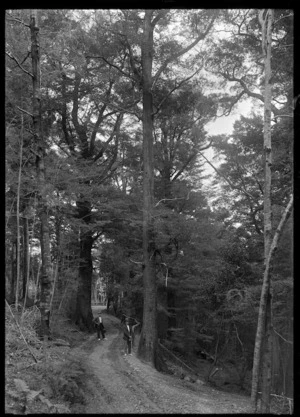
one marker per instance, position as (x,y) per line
(123,384)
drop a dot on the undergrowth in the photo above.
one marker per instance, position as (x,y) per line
(40,377)
(66,380)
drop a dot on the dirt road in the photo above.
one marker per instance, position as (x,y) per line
(123,384)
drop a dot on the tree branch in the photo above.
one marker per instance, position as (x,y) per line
(250,93)
(15,19)
(194,154)
(80,129)
(110,64)
(225,178)
(19,65)
(172,199)
(100,119)
(233,102)
(183,50)
(174,89)
(24,111)
(115,130)
(160,15)
(206,146)
(125,110)
(191,157)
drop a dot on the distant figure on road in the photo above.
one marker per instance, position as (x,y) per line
(100,327)
(128,333)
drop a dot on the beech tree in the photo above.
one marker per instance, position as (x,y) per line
(148,341)
(264,327)
(79,127)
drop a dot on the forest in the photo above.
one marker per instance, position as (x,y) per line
(117,188)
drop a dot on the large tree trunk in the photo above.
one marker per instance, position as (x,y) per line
(40,169)
(83,312)
(263,342)
(148,341)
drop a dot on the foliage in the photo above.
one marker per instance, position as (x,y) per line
(65,379)
(209,252)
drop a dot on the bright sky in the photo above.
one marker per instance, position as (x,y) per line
(224,124)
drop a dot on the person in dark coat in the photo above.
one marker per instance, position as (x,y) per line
(128,334)
(100,327)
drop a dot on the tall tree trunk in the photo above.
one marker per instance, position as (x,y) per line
(267,23)
(263,343)
(18,213)
(148,341)
(40,169)
(12,294)
(83,313)
(25,255)
(26,262)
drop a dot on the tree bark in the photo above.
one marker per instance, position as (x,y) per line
(12,294)
(83,312)
(263,342)
(148,340)
(25,255)
(40,169)
(267,304)
(148,347)
(18,216)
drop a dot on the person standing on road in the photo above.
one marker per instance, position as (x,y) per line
(100,327)
(128,334)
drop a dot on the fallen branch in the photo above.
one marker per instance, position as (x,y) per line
(175,357)
(280,396)
(75,330)
(60,342)
(213,372)
(135,262)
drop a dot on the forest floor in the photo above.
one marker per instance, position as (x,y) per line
(88,376)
